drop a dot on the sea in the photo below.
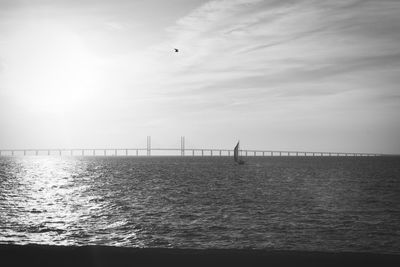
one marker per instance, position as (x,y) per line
(274,203)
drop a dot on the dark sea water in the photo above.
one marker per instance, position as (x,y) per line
(294,203)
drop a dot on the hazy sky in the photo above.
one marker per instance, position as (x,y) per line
(291,75)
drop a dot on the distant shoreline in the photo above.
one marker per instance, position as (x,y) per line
(46,255)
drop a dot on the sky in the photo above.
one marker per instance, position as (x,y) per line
(302,75)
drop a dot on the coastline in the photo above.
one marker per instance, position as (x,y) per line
(46,255)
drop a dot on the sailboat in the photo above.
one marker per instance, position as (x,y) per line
(236,155)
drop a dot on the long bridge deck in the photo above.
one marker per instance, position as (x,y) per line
(173,152)
(182,151)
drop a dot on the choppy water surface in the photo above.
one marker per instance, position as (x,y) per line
(331,204)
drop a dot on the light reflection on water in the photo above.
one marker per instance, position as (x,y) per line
(50,200)
(348,204)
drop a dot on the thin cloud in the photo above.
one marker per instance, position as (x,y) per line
(234,40)
(252,62)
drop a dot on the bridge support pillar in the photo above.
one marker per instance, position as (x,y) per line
(148,145)
(182,146)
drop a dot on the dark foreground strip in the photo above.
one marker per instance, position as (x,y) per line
(38,255)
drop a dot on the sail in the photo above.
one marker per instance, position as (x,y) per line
(236,153)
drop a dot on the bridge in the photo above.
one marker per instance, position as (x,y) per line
(181,151)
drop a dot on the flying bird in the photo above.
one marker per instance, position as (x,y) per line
(176,50)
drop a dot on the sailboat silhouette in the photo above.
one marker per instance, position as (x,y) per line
(236,155)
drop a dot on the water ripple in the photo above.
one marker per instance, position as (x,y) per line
(333,204)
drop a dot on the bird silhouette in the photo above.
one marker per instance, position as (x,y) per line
(176,50)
